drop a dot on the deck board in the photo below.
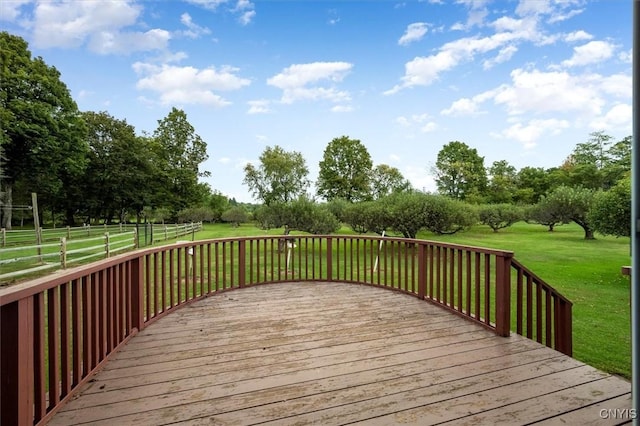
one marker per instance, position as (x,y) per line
(330,354)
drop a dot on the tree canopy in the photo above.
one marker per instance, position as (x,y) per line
(459,171)
(345,171)
(280,177)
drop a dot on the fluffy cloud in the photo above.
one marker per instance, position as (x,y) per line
(592,52)
(12,10)
(342,108)
(617,118)
(258,107)
(193,30)
(577,36)
(99,24)
(188,85)
(529,133)
(308,82)
(414,32)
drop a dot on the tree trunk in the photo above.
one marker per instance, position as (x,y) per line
(7,207)
(71,221)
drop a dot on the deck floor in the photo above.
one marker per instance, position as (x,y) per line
(330,354)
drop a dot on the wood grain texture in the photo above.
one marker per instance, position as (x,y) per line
(333,354)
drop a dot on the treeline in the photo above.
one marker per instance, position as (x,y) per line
(591,188)
(90,166)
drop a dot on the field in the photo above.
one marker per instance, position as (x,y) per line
(585,271)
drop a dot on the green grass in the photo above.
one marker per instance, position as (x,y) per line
(587,272)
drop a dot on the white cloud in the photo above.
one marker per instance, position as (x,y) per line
(402,121)
(224,160)
(429,127)
(528,134)
(423,121)
(188,85)
(342,108)
(304,82)
(207,4)
(592,52)
(414,32)
(619,117)
(193,30)
(419,177)
(394,158)
(262,138)
(247,17)
(503,55)
(462,107)
(577,36)
(100,24)
(259,107)
(12,10)
(626,56)
(477,13)
(539,92)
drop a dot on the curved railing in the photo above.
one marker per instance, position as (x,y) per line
(58,330)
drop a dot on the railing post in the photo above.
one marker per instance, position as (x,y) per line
(241,263)
(16,362)
(503,294)
(329,259)
(422,272)
(563,327)
(137,293)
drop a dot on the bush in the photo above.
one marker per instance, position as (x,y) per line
(499,216)
(368,216)
(195,214)
(235,215)
(610,213)
(444,215)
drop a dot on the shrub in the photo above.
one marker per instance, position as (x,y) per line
(499,216)
(610,213)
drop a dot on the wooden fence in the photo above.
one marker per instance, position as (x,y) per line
(57,330)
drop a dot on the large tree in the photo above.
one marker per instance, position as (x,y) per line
(180,151)
(610,212)
(460,172)
(345,171)
(571,204)
(42,131)
(531,184)
(387,180)
(120,172)
(280,177)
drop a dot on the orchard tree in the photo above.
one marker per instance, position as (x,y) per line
(386,180)
(281,176)
(42,131)
(572,204)
(499,216)
(180,152)
(459,172)
(610,212)
(345,171)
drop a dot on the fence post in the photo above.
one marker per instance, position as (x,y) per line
(68,232)
(4,237)
(503,294)
(16,353)
(166,235)
(106,244)
(135,238)
(63,252)
(88,229)
(193,232)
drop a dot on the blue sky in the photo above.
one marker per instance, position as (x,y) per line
(522,81)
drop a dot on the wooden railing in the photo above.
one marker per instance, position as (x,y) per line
(57,331)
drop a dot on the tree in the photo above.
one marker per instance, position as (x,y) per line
(281,176)
(544,214)
(572,204)
(502,183)
(345,171)
(120,168)
(531,184)
(41,130)
(180,151)
(610,213)
(235,215)
(499,216)
(368,216)
(386,180)
(460,172)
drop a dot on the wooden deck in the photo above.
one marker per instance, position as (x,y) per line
(328,353)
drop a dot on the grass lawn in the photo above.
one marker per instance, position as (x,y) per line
(586,272)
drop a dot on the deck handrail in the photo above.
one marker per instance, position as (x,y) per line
(58,330)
